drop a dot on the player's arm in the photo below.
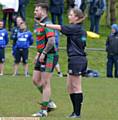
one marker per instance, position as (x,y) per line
(49,45)
(52,26)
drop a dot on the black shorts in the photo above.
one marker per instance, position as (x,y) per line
(77,65)
(2,55)
(21,53)
(48,65)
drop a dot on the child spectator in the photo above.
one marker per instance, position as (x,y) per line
(24,41)
(3,43)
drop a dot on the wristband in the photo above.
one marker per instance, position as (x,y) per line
(44,52)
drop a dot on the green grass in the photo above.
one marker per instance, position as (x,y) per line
(19,97)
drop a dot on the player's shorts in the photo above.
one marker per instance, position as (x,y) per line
(21,53)
(77,65)
(48,65)
(2,55)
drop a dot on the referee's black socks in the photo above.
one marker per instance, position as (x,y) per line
(76,99)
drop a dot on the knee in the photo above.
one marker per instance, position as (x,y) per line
(34,80)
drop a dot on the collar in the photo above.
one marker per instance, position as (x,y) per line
(44,19)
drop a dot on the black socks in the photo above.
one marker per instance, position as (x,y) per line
(76,99)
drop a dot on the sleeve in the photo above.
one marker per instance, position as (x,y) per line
(107,43)
(67,29)
(31,39)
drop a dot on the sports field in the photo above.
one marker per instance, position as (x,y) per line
(20,98)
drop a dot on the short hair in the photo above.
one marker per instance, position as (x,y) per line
(43,6)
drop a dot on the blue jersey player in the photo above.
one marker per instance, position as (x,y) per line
(3,43)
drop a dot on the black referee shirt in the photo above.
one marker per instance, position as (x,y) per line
(76,39)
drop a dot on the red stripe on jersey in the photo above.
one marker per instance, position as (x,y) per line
(50,34)
(40,29)
(40,38)
(40,46)
(49,65)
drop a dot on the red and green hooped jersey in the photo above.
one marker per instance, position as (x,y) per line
(42,35)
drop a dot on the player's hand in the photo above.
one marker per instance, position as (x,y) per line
(42,57)
(35,59)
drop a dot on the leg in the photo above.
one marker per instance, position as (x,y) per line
(4,18)
(109,66)
(53,18)
(22,12)
(25,53)
(92,22)
(26,70)
(17,58)
(116,66)
(97,21)
(76,66)
(37,78)
(57,68)
(2,60)
(10,20)
(60,19)
(1,68)
(76,95)
(45,76)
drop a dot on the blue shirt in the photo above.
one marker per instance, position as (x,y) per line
(3,38)
(24,39)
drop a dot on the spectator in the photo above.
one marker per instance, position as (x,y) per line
(14,33)
(22,8)
(80,4)
(24,41)
(9,7)
(3,43)
(13,36)
(57,9)
(96,10)
(77,62)
(112,51)
(70,4)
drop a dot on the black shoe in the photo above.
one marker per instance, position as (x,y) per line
(73,115)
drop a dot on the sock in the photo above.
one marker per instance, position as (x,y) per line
(78,98)
(44,105)
(72,100)
(40,88)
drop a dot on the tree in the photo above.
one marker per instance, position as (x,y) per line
(112,11)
